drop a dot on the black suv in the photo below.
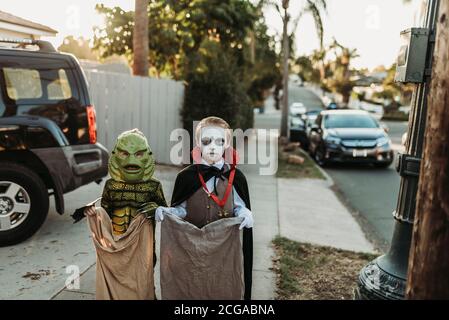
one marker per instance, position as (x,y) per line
(48,138)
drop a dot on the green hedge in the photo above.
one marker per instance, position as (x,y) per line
(214,88)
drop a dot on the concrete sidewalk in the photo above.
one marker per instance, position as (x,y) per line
(310,212)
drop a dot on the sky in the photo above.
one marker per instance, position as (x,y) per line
(371,26)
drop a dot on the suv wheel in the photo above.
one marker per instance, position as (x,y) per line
(320,156)
(23,203)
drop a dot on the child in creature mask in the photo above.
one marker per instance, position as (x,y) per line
(213,188)
(123,228)
(131,189)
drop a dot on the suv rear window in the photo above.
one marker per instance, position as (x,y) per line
(59,89)
(45,87)
(22,83)
(27,84)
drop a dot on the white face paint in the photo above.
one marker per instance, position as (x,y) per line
(212,143)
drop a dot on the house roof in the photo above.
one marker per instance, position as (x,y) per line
(9,18)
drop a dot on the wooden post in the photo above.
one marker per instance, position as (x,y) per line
(140,39)
(428,276)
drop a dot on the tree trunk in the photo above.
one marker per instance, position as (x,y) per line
(286,54)
(252,46)
(140,39)
(428,276)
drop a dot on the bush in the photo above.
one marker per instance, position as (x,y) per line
(214,89)
(259,86)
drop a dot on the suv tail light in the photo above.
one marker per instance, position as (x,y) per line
(92,122)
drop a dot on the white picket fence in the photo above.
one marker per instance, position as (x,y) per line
(125,102)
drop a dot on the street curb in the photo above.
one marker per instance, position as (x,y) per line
(330,184)
(380,246)
(328,178)
(375,248)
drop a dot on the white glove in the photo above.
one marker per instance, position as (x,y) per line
(160,211)
(159,214)
(248,220)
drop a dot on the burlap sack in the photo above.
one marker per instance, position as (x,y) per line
(201,264)
(125,262)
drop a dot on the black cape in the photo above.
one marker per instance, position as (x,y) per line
(187,183)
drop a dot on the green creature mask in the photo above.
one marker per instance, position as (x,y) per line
(131,159)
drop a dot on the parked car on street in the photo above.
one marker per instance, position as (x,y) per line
(48,137)
(310,118)
(300,127)
(297,109)
(349,136)
(298,131)
(332,106)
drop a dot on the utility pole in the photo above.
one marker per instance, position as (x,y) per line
(140,39)
(286,54)
(386,276)
(428,277)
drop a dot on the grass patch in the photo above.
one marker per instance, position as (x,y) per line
(308,169)
(309,272)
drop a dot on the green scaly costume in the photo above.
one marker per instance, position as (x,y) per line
(131,190)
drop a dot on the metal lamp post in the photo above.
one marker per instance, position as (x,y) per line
(385,277)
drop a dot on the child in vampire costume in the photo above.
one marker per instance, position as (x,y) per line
(206,192)
(123,227)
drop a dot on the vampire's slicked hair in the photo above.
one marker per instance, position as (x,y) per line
(213,122)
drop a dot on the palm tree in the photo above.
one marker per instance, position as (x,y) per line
(140,39)
(341,81)
(317,60)
(313,7)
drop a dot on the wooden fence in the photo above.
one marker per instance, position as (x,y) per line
(125,102)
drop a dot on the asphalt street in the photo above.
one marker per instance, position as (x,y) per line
(370,193)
